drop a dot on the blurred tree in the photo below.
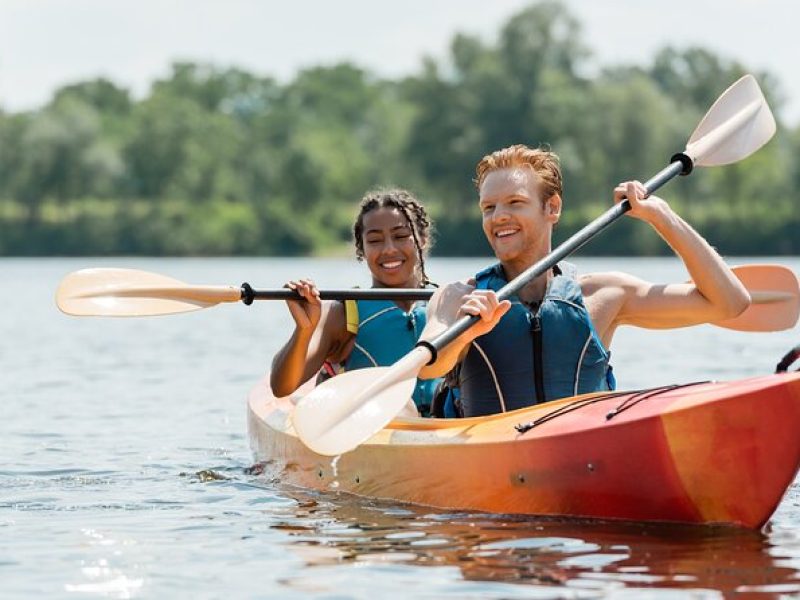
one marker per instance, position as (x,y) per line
(58,154)
(101,94)
(487,97)
(696,75)
(180,150)
(231,91)
(219,160)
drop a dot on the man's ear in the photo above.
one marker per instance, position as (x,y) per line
(554,207)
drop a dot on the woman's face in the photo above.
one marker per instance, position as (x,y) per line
(389,249)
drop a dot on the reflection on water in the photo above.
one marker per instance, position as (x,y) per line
(327,530)
(125,467)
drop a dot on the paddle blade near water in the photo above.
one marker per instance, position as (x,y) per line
(108,292)
(737,124)
(774,299)
(342,412)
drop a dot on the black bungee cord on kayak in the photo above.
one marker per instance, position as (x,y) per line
(633,399)
(638,396)
(645,395)
(567,408)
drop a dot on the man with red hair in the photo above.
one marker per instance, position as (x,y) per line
(552,339)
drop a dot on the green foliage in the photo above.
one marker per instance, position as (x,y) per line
(219,161)
(101,94)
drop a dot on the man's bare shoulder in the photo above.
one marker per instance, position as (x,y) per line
(592,283)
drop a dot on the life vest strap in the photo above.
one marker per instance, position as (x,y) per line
(351,316)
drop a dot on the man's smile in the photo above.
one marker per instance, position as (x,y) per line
(503,232)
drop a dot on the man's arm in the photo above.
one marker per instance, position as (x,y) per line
(715,293)
(449,304)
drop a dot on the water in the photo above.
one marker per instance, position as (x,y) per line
(125,467)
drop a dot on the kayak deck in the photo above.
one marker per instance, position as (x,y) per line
(700,453)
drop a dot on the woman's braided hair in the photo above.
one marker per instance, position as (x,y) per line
(415,214)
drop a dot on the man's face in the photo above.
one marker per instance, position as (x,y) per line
(515,221)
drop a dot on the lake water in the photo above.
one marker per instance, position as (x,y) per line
(125,465)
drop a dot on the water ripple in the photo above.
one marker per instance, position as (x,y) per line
(127,472)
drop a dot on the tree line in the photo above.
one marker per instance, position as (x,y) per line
(221,161)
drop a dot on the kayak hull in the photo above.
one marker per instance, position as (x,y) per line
(721,453)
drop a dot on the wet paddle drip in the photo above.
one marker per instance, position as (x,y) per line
(634,398)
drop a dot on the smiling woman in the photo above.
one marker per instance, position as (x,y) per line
(392,233)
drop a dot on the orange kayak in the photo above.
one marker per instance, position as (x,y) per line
(700,453)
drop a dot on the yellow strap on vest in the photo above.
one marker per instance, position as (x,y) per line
(351,316)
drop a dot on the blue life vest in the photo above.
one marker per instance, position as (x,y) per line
(385,333)
(534,355)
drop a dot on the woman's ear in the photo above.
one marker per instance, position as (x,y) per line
(423,241)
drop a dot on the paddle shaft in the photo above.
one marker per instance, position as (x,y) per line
(249,294)
(680,164)
(399,294)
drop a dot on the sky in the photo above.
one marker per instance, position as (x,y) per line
(45,44)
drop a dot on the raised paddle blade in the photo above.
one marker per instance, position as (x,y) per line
(738,124)
(111,292)
(774,295)
(342,412)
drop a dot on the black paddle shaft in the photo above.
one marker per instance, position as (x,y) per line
(680,165)
(249,294)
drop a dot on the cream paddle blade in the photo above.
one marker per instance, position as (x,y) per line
(328,426)
(738,124)
(132,293)
(774,295)
(737,119)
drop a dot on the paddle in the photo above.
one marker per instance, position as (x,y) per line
(111,292)
(344,411)
(774,299)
